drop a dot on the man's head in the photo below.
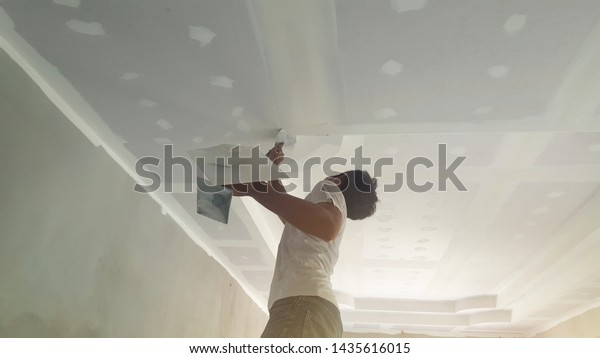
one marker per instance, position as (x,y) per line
(359,192)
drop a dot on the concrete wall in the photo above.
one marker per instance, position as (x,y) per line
(81,254)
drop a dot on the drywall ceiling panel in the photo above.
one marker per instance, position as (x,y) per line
(507,58)
(181,72)
(511,86)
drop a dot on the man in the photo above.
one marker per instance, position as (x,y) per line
(301,300)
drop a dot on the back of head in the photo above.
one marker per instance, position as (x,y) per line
(359,192)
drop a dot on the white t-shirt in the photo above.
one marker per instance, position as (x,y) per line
(304,262)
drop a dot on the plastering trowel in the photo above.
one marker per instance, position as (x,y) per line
(220,168)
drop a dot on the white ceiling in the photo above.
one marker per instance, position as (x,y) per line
(512,85)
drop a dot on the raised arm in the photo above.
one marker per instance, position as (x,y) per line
(276,156)
(322,220)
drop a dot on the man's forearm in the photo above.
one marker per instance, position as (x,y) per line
(278,186)
(310,218)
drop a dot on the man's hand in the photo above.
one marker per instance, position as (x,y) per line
(275,154)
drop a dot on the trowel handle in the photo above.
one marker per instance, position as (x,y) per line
(276,153)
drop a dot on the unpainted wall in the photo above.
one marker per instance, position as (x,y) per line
(82,254)
(586,325)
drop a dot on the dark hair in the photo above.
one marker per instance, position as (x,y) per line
(359,192)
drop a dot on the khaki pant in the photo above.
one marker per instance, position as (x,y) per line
(303,316)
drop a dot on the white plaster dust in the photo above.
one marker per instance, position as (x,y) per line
(86,28)
(69,3)
(221,81)
(514,24)
(121,139)
(164,124)
(555,194)
(391,68)
(130,76)
(237,111)
(147,103)
(498,72)
(402,6)
(202,34)
(384,113)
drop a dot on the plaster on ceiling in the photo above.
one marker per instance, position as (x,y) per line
(513,86)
